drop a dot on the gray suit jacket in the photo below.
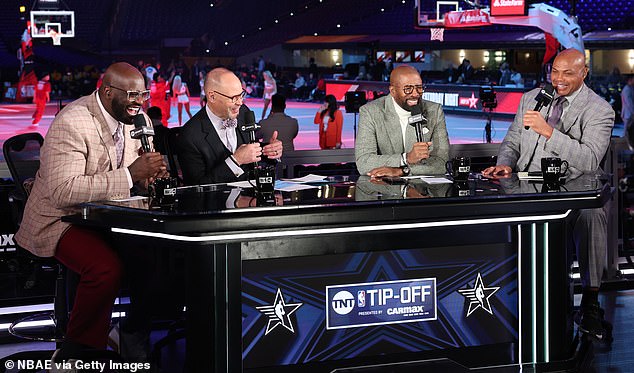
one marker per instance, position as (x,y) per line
(583,141)
(380,141)
(286,127)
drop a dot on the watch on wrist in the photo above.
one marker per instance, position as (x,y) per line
(405,169)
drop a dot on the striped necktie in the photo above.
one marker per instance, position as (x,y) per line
(555,115)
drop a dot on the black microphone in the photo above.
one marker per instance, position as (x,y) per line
(250,125)
(418,120)
(142,131)
(544,98)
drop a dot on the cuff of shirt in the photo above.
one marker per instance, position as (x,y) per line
(233,165)
(233,196)
(127,174)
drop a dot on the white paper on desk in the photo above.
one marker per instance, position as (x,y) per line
(134,198)
(436,180)
(411,177)
(287,186)
(524,176)
(241,184)
(307,179)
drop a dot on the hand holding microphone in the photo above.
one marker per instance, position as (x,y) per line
(544,98)
(420,151)
(150,164)
(418,121)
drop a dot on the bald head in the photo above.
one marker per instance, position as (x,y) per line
(401,72)
(568,71)
(120,73)
(218,78)
(221,86)
(406,86)
(119,79)
(572,56)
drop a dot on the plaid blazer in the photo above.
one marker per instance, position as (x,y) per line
(77,164)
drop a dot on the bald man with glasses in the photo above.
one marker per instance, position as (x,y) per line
(88,155)
(386,144)
(212,147)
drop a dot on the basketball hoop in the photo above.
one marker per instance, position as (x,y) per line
(437,33)
(57,37)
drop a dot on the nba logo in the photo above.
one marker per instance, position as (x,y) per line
(361,298)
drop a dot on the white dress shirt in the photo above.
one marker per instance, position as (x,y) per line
(229,139)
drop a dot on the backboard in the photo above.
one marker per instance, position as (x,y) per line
(59,22)
(431,13)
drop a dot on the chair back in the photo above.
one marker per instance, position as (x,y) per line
(171,149)
(22,154)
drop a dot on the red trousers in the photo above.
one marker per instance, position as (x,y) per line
(88,253)
(39,111)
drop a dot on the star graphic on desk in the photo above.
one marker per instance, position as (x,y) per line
(279,313)
(479,296)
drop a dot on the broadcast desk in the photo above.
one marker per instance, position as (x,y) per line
(349,276)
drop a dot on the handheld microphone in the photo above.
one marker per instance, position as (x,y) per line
(250,125)
(418,120)
(544,98)
(142,131)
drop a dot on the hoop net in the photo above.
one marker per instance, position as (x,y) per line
(57,38)
(437,33)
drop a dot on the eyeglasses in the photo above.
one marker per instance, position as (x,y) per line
(408,89)
(135,95)
(235,98)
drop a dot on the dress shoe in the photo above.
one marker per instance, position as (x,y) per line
(591,321)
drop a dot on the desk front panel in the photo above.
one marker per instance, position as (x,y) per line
(382,297)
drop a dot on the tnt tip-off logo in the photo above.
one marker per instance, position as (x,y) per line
(343,302)
(380,303)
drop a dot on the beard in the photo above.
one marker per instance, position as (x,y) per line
(120,111)
(406,106)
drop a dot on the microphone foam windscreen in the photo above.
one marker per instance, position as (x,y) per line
(549,90)
(249,117)
(416,109)
(139,121)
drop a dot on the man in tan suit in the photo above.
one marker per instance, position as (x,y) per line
(88,155)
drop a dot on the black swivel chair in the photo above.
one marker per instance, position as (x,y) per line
(22,155)
(171,149)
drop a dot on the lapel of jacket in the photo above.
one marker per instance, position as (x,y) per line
(580,103)
(103,131)
(210,134)
(392,125)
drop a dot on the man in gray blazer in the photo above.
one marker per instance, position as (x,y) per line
(386,145)
(580,136)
